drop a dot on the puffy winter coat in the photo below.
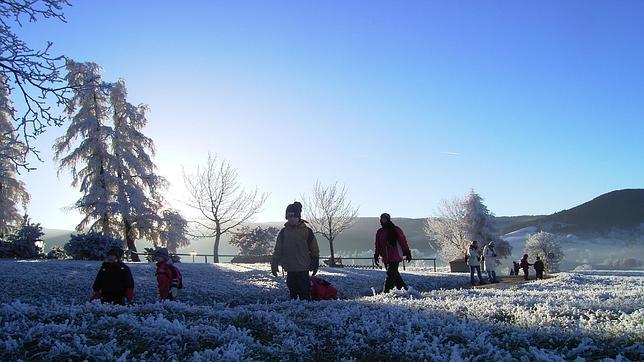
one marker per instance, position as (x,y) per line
(164,280)
(114,281)
(473,256)
(295,248)
(490,258)
(390,253)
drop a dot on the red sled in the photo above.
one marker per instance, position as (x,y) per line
(322,290)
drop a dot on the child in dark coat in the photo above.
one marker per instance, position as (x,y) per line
(525,265)
(114,282)
(539,268)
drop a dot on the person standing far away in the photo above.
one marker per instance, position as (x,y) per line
(164,274)
(474,261)
(389,238)
(297,251)
(539,267)
(114,283)
(489,263)
(525,265)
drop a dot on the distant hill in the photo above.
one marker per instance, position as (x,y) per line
(622,209)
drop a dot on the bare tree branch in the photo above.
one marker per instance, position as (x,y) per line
(329,212)
(33,75)
(216,194)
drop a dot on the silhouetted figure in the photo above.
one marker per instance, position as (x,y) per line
(525,265)
(539,268)
(114,283)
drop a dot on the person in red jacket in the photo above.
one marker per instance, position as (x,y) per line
(525,265)
(164,274)
(389,239)
(114,283)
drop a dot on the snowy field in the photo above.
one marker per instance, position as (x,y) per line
(233,312)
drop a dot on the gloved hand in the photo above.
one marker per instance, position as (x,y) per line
(274,268)
(315,264)
(408,257)
(376,259)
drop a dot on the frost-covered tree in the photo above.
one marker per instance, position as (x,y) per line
(547,246)
(13,193)
(33,76)
(27,241)
(222,205)
(91,162)
(458,222)
(174,230)
(256,241)
(329,212)
(137,186)
(91,246)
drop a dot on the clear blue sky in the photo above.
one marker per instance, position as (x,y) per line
(538,106)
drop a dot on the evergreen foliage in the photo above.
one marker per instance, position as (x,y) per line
(91,246)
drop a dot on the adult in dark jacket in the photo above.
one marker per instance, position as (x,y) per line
(539,268)
(389,238)
(525,265)
(114,282)
(297,251)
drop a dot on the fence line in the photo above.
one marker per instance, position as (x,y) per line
(322,258)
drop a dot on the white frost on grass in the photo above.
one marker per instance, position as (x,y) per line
(576,315)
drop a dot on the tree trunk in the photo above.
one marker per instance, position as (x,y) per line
(215,250)
(332,254)
(131,246)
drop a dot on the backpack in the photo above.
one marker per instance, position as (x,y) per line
(322,290)
(177,279)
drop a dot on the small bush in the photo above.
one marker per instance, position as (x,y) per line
(57,253)
(91,246)
(25,243)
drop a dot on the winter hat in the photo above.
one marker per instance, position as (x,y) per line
(385,216)
(294,208)
(117,252)
(162,252)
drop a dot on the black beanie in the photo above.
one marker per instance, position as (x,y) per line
(117,252)
(296,208)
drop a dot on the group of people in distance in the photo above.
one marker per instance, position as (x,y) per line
(487,256)
(524,265)
(114,282)
(297,251)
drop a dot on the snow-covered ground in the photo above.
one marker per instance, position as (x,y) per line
(233,312)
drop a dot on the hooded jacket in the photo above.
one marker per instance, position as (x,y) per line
(295,247)
(388,252)
(490,258)
(473,256)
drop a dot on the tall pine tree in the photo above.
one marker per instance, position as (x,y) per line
(12,191)
(122,194)
(91,162)
(138,187)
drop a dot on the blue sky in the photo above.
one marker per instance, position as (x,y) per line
(538,106)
